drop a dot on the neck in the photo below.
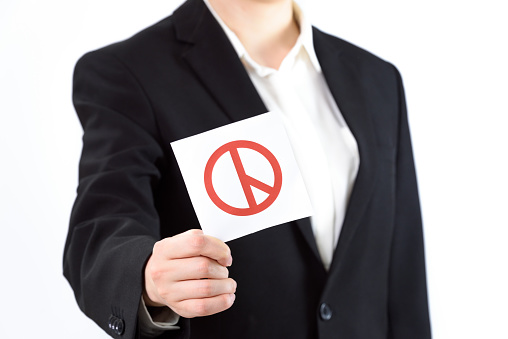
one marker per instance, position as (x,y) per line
(266,28)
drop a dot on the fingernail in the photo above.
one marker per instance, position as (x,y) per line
(233,297)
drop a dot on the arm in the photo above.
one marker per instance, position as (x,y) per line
(408,305)
(114,223)
(114,228)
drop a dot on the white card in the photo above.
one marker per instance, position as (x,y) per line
(242,177)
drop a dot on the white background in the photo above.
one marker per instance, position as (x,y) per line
(453,58)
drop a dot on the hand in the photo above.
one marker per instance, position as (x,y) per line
(187,273)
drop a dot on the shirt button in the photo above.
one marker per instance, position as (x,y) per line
(325,312)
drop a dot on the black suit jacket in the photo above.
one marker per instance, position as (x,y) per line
(181,77)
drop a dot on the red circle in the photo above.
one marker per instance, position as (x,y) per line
(253,208)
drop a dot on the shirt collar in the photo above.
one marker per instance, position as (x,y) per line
(305,41)
(306,36)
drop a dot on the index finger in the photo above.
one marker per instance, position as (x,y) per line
(195,243)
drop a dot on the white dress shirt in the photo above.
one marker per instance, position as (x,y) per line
(324,147)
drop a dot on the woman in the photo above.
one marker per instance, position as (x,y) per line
(135,256)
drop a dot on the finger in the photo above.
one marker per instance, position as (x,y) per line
(166,271)
(191,308)
(194,243)
(204,288)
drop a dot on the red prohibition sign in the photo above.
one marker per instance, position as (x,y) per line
(247,181)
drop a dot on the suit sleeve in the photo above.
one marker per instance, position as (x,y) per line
(114,222)
(408,304)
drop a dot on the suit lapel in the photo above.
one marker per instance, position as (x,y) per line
(348,91)
(215,62)
(306,228)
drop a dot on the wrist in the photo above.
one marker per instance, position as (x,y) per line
(149,301)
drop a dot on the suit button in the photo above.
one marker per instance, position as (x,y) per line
(325,312)
(111,320)
(118,326)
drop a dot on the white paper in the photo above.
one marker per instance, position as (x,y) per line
(273,190)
